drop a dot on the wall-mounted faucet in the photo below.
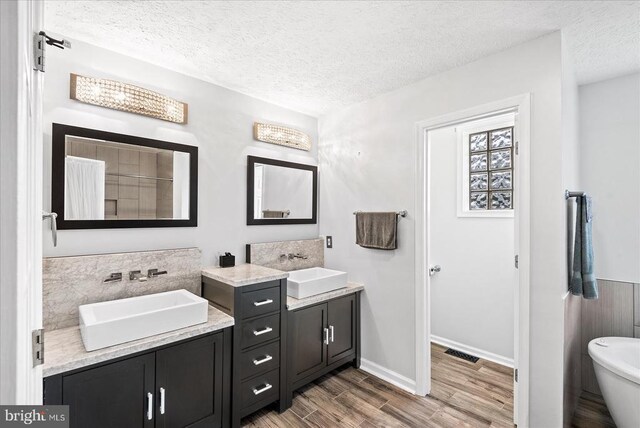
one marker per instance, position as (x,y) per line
(297,256)
(137,275)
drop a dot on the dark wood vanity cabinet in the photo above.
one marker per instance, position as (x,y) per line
(259,342)
(180,385)
(321,338)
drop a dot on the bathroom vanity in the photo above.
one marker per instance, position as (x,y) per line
(281,343)
(179,378)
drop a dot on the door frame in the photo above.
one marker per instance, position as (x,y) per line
(20,218)
(522,106)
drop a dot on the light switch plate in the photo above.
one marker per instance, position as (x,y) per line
(329,240)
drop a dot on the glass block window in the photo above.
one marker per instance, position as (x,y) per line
(491,170)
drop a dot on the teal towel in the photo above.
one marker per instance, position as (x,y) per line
(583,281)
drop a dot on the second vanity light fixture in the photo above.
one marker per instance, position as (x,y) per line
(281,135)
(125,97)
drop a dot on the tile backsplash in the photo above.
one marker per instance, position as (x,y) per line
(268,254)
(69,282)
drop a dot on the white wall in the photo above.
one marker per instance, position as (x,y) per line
(572,360)
(367,158)
(220,124)
(610,173)
(476,255)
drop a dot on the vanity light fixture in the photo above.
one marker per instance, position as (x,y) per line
(281,135)
(125,97)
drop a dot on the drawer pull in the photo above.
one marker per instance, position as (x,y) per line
(331,332)
(326,336)
(263,302)
(149,406)
(263,360)
(263,331)
(266,387)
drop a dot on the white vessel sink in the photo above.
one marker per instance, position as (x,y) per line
(118,321)
(309,282)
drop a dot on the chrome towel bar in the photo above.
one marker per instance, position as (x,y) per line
(402,213)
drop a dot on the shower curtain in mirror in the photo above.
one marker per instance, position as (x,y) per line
(83,189)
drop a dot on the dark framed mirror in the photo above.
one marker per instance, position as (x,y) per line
(103,180)
(280,192)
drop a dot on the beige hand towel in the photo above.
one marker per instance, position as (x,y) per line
(377,230)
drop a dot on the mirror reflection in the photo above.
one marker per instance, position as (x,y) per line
(107,180)
(282,193)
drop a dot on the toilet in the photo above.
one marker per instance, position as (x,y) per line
(616,361)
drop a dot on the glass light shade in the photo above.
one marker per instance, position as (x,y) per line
(122,96)
(281,135)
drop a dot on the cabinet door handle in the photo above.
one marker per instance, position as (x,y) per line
(326,336)
(331,332)
(263,331)
(149,406)
(162,392)
(263,302)
(263,360)
(266,387)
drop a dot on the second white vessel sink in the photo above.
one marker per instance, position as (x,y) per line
(111,323)
(309,282)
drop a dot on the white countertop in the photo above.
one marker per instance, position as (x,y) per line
(293,303)
(64,350)
(238,276)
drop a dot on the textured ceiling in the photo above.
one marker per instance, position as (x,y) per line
(318,56)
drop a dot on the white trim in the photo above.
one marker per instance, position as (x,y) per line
(522,105)
(476,352)
(387,375)
(21,209)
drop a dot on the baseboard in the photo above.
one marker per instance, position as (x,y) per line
(485,355)
(387,375)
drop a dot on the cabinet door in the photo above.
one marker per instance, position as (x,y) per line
(308,351)
(189,384)
(110,396)
(342,327)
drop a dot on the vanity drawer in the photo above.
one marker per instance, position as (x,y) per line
(260,360)
(260,387)
(260,302)
(260,330)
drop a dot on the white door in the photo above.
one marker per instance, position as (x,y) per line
(20,203)
(471,251)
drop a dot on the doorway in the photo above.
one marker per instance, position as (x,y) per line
(471,193)
(441,234)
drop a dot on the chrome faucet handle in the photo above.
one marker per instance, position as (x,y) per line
(137,275)
(114,277)
(152,273)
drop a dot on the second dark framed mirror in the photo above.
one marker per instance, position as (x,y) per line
(281,192)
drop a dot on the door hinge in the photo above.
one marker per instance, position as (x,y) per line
(515,374)
(37,346)
(517,147)
(40,42)
(516,260)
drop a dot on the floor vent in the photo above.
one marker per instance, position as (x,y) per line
(462,355)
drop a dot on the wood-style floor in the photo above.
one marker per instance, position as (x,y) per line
(592,412)
(464,394)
